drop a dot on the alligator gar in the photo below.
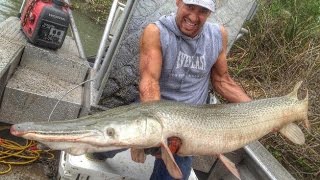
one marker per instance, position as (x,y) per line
(203,129)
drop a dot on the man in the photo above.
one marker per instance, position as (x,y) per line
(180,55)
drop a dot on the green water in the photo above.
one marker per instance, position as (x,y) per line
(89,31)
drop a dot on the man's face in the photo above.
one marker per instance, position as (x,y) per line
(190,18)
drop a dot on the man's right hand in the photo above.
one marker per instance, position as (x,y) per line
(154,151)
(174,143)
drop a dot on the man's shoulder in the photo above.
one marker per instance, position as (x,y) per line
(152,29)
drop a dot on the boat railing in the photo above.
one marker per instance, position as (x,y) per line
(116,21)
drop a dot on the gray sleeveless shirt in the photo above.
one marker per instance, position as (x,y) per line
(187,62)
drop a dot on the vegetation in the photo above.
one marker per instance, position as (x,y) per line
(97,10)
(282,48)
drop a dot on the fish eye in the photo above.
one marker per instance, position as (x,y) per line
(110,131)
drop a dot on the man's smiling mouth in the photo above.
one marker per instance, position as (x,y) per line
(189,23)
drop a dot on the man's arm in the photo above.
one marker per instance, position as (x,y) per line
(221,79)
(150,64)
(149,88)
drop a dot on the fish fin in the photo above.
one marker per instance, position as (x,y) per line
(229,165)
(169,161)
(294,93)
(293,133)
(138,155)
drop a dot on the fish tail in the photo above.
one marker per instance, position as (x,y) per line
(294,93)
(292,131)
(304,103)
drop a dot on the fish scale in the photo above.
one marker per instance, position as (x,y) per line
(203,129)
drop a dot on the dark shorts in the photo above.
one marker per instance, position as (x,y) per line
(160,171)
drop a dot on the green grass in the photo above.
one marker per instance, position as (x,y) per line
(282,41)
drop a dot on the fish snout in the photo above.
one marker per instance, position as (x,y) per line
(16,130)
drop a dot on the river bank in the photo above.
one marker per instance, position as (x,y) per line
(96,10)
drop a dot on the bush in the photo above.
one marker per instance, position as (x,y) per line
(283,42)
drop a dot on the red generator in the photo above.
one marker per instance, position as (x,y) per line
(45,22)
